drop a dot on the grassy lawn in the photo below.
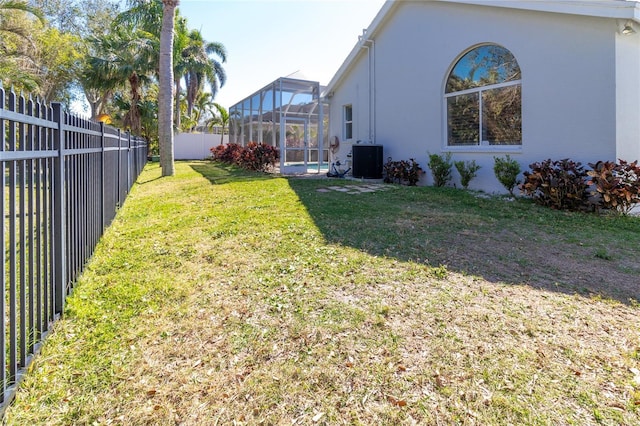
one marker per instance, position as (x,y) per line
(223,297)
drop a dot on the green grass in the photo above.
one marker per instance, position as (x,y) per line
(219,296)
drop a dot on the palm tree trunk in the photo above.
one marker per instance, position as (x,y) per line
(176,108)
(192,92)
(132,119)
(165,95)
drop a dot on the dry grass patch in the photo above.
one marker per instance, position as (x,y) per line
(221,297)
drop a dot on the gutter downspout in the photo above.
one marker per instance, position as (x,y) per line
(320,130)
(370,45)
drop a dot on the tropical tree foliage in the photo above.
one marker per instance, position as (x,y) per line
(197,64)
(201,67)
(220,118)
(17,64)
(125,58)
(114,54)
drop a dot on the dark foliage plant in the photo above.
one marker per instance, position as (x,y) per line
(255,156)
(616,185)
(402,172)
(259,157)
(229,153)
(560,184)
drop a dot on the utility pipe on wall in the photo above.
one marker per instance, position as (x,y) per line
(370,45)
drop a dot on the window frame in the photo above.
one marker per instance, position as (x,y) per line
(347,125)
(482,146)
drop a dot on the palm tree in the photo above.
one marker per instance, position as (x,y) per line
(145,15)
(221,119)
(8,8)
(202,107)
(199,67)
(124,55)
(17,65)
(180,43)
(165,95)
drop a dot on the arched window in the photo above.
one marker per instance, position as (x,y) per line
(483,99)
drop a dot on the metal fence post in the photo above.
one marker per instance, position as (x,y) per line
(59,211)
(3,258)
(119,167)
(103,183)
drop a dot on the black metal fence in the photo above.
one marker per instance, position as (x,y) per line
(63,178)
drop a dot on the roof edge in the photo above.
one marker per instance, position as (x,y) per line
(614,9)
(620,9)
(382,15)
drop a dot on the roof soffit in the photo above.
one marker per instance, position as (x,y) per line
(614,9)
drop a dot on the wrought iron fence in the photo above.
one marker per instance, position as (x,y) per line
(63,178)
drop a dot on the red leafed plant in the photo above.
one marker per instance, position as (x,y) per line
(255,156)
(402,171)
(558,184)
(259,157)
(616,184)
(229,153)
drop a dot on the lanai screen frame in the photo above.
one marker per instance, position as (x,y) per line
(262,118)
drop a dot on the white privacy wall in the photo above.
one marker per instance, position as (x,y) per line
(194,146)
(568,65)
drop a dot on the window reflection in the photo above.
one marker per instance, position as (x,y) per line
(464,119)
(348,122)
(484,102)
(501,115)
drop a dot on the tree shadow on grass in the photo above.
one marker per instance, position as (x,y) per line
(223,174)
(514,242)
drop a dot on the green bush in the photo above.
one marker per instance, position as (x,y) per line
(507,170)
(440,167)
(557,184)
(467,170)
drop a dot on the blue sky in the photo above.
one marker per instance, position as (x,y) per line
(268,39)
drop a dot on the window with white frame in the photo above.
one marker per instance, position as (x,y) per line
(483,99)
(348,122)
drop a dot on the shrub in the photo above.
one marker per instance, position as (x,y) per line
(557,184)
(402,171)
(468,170)
(259,157)
(507,170)
(440,168)
(617,185)
(229,153)
(255,156)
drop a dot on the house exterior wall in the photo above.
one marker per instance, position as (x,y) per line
(628,97)
(355,93)
(569,68)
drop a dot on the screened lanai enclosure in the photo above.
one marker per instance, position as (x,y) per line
(290,115)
